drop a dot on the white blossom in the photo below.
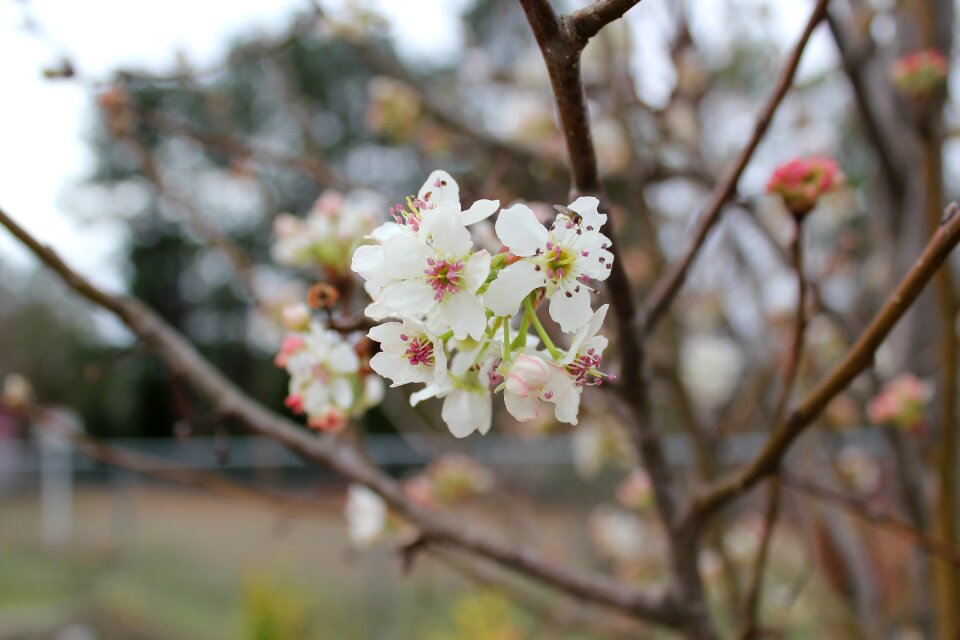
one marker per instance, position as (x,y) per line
(366,515)
(409,353)
(434,275)
(325,379)
(561,259)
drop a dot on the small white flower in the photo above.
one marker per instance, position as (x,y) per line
(366,515)
(467,402)
(409,353)
(324,377)
(561,259)
(433,273)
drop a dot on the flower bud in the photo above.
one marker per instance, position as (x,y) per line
(920,73)
(803,181)
(296,317)
(527,374)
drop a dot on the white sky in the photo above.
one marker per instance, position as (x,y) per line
(43,123)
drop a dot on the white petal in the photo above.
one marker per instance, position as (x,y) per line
(570,312)
(506,293)
(586,206)
(522,408)
(440,190)
(410,297)
(466,412)
(585,333)
(399,369)
(386,231)
(520,231)
(565,395)
(476,270)
(481,405)
(367,259)
(388,335)
(593,266)
(405,257)
(373,390)
(466,315)
(343,359)
(342,392)
(449,235)
(480,210)
(430,391)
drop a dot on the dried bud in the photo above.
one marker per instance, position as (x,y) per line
(322,296)
(802,182)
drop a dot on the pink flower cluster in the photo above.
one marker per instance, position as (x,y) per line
(920,73)
(801,182)
(901,403)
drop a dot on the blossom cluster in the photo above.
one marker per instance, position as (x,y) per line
(902,403)
(464,322)
(919,73)
(326,238)
(329,382)
(802,182)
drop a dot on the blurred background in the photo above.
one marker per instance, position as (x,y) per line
(154,145)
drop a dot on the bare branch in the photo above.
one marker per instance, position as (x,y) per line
(856,360)
(669,285)
(750,629)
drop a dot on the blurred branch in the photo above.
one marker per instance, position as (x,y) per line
(238,258)
(854,505)
(750,629)
(155,467)
(857,359)
(231,146)
(670,283)
(855,59)
(183,360)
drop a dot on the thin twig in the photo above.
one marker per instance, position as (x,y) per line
(669,285)
(751,611)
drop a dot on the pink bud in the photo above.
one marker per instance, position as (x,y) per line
(527,374)
(803,181)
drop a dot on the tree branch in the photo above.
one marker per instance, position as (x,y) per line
(856,360)
(184,361)
(587,22)
(669,285)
